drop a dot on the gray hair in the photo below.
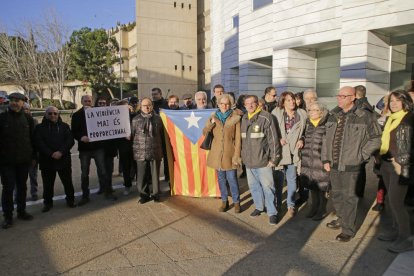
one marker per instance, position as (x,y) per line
(50,107)
(201,93)
(310,91)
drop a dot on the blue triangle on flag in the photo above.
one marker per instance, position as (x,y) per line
(190,122)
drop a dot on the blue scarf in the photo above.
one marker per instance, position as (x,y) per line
(223,116)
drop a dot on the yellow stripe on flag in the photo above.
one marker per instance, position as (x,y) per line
(181,160)
(196,170)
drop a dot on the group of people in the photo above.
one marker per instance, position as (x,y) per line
(292,138)
(297,140)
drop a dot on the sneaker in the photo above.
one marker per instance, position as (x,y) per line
(291,212)
(127,191)
(255,213)
(24,216)
(46,208)
(273,220)
(83,201)
(7,223)
(401,246)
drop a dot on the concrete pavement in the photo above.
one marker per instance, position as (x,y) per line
(188,236)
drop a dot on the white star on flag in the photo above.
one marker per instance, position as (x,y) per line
(192,120)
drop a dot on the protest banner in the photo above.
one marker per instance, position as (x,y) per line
(107,122)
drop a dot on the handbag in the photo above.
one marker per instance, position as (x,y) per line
(208,139)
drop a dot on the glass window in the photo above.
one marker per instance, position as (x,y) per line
(257,4)
(235,21)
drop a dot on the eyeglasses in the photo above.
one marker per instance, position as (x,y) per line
(52,113)
(313,110)
(101,103)
(342,97)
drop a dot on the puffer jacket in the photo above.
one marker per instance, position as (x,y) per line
(51,137)
(404,134)
(16,138)
(361,138)
(290,153)
(147,146)
(313,175)
(226,145)
(260,140)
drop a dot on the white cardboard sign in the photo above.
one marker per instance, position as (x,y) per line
(107,122)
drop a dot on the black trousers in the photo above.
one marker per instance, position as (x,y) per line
(49,176)
(345,199)
(396,195)
(148,185)
(126,160)
(13,176)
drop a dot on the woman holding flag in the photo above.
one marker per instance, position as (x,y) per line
(224,155)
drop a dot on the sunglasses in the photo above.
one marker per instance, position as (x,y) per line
(52,113)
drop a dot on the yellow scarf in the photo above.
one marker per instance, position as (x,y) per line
(393,122)
(250,115)
(315,122)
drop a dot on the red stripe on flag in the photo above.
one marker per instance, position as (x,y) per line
(178,186)
(190,169)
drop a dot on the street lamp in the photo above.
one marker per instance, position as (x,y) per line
(120,57)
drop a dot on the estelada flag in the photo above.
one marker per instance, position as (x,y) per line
(187,162)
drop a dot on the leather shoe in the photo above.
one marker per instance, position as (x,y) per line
(24,216)
(333,224)
(83,201)
(143,200)
(255,213)
(71,204)
(343,237)
(7,223)
(156,198)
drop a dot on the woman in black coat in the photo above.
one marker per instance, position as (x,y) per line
(312,175)
(397,168)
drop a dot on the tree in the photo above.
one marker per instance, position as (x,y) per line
(92,53)
(14,61)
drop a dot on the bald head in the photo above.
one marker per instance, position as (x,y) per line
(346,98)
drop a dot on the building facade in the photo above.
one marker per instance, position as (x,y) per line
(166,34)
(323,44)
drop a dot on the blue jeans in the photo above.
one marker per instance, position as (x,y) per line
(262,188)
(85,159)
(230,177)
(288,171)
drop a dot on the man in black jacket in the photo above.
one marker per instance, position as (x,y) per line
(53,142)
(16,155)
(158,100)
(87,151)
